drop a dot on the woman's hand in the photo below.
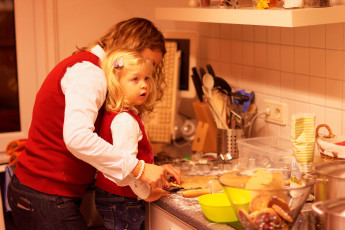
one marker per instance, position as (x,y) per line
(154,175)
(156,194)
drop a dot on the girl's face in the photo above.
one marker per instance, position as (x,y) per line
(154,55)
(135,86)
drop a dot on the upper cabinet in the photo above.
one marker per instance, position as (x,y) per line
(251,16)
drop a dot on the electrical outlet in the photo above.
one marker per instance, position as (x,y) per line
(278,112)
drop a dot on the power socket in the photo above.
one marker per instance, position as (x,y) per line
(278,112)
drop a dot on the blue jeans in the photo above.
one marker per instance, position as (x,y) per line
(119,212)
(33,210)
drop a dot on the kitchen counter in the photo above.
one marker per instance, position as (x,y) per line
(188,210)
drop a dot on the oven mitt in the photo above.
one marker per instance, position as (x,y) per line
(14,149)
(246,104)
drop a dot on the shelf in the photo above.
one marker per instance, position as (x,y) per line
(251,16)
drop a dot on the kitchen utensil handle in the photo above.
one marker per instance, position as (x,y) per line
(202,72)
(317,208)
(210,70)
(330,133)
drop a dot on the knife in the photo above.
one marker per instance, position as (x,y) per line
(197,84)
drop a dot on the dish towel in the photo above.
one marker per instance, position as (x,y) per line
(8,174)
(303,141)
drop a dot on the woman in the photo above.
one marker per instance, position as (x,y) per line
(62,151)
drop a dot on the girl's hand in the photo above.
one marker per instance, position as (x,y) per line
(156,194)
(174,172)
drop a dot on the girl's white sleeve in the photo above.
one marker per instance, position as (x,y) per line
(126,134)
(85,88)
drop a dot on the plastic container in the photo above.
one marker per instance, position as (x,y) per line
(217,208)
(270,203)
(264,152)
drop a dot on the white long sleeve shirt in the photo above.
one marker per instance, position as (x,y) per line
(126,134)
(85,89)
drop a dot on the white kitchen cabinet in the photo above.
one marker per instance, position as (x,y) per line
(252,16)
(159,219)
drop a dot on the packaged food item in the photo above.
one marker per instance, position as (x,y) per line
(293,4)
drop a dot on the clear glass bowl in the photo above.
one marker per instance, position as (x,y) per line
(267,198)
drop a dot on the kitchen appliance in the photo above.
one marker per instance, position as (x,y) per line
(332,212)
(330,181)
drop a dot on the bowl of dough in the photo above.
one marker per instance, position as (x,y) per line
(267,198)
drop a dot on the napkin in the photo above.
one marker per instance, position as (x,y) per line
(303,140)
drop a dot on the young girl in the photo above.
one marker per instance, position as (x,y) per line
(131,93)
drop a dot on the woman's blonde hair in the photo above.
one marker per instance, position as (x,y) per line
(132,63)
(135,34)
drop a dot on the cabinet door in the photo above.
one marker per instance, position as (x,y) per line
(160,219)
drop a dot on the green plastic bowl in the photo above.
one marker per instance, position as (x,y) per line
(217,208)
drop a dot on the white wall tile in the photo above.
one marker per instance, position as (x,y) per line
(318,91)
(236,32)
(318,36)
(334,64)
(235,76)
(320,114)
(302,60)
(302,86)
(273,83)
(260,55)
(287,36)
(273,130)
(287,85)
(248,53)
(335,36)
(260,79)
(248,78)
(225,31)
(333,119)
(273,34)
(236,54)
(317,62)
(273,56)
(210,49)
(302,36)
(260,33)
(225,50)
(248,32)
(214,30)
(301,107)
(334,93)
(287,58)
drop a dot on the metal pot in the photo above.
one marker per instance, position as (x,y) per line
(332,212)
(330,183)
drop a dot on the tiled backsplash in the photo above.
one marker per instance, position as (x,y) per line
(302,67)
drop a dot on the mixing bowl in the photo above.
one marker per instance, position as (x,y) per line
(217,208)
(267,198)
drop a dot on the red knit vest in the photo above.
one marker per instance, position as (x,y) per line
(46,165)
(144,153)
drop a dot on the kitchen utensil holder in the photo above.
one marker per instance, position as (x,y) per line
(227,142)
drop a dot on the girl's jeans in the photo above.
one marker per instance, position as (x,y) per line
(33,210)
(119,212)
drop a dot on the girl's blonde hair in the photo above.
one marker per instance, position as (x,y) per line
(135,34)
(133,62)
